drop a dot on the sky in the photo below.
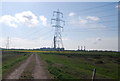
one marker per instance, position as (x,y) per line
(90,24)
(60,0)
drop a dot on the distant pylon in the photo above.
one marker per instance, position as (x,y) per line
(78,47)
(81,48)
(58,28)
(7,43)
(84,48)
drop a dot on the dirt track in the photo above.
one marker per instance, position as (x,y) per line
(38,73)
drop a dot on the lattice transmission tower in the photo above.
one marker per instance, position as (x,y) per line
(7,43)
(58,23)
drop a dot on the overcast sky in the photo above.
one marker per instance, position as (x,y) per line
(90,24)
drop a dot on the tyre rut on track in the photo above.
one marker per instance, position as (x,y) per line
(39,71)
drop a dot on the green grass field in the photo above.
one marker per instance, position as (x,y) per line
(67,64)
(79,65)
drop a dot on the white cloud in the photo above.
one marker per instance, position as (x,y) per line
(44,20)
(24,18)
(9,20)
(27,18)
(83,21)
(98,39)
(93,18)
(86,22)
(87,19)
(72,14)
(117,6)
(65,39)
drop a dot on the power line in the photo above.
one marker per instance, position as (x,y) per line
(92,29)
(33,33)
(104,16)
(101,11)
(108,15)
(103,22)
(93,8)
(42,34)
(48,34)
(97,7)
(97,22)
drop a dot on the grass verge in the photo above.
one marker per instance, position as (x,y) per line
(11,61)
(67,66)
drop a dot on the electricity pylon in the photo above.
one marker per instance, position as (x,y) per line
(58,24)
(7,43)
